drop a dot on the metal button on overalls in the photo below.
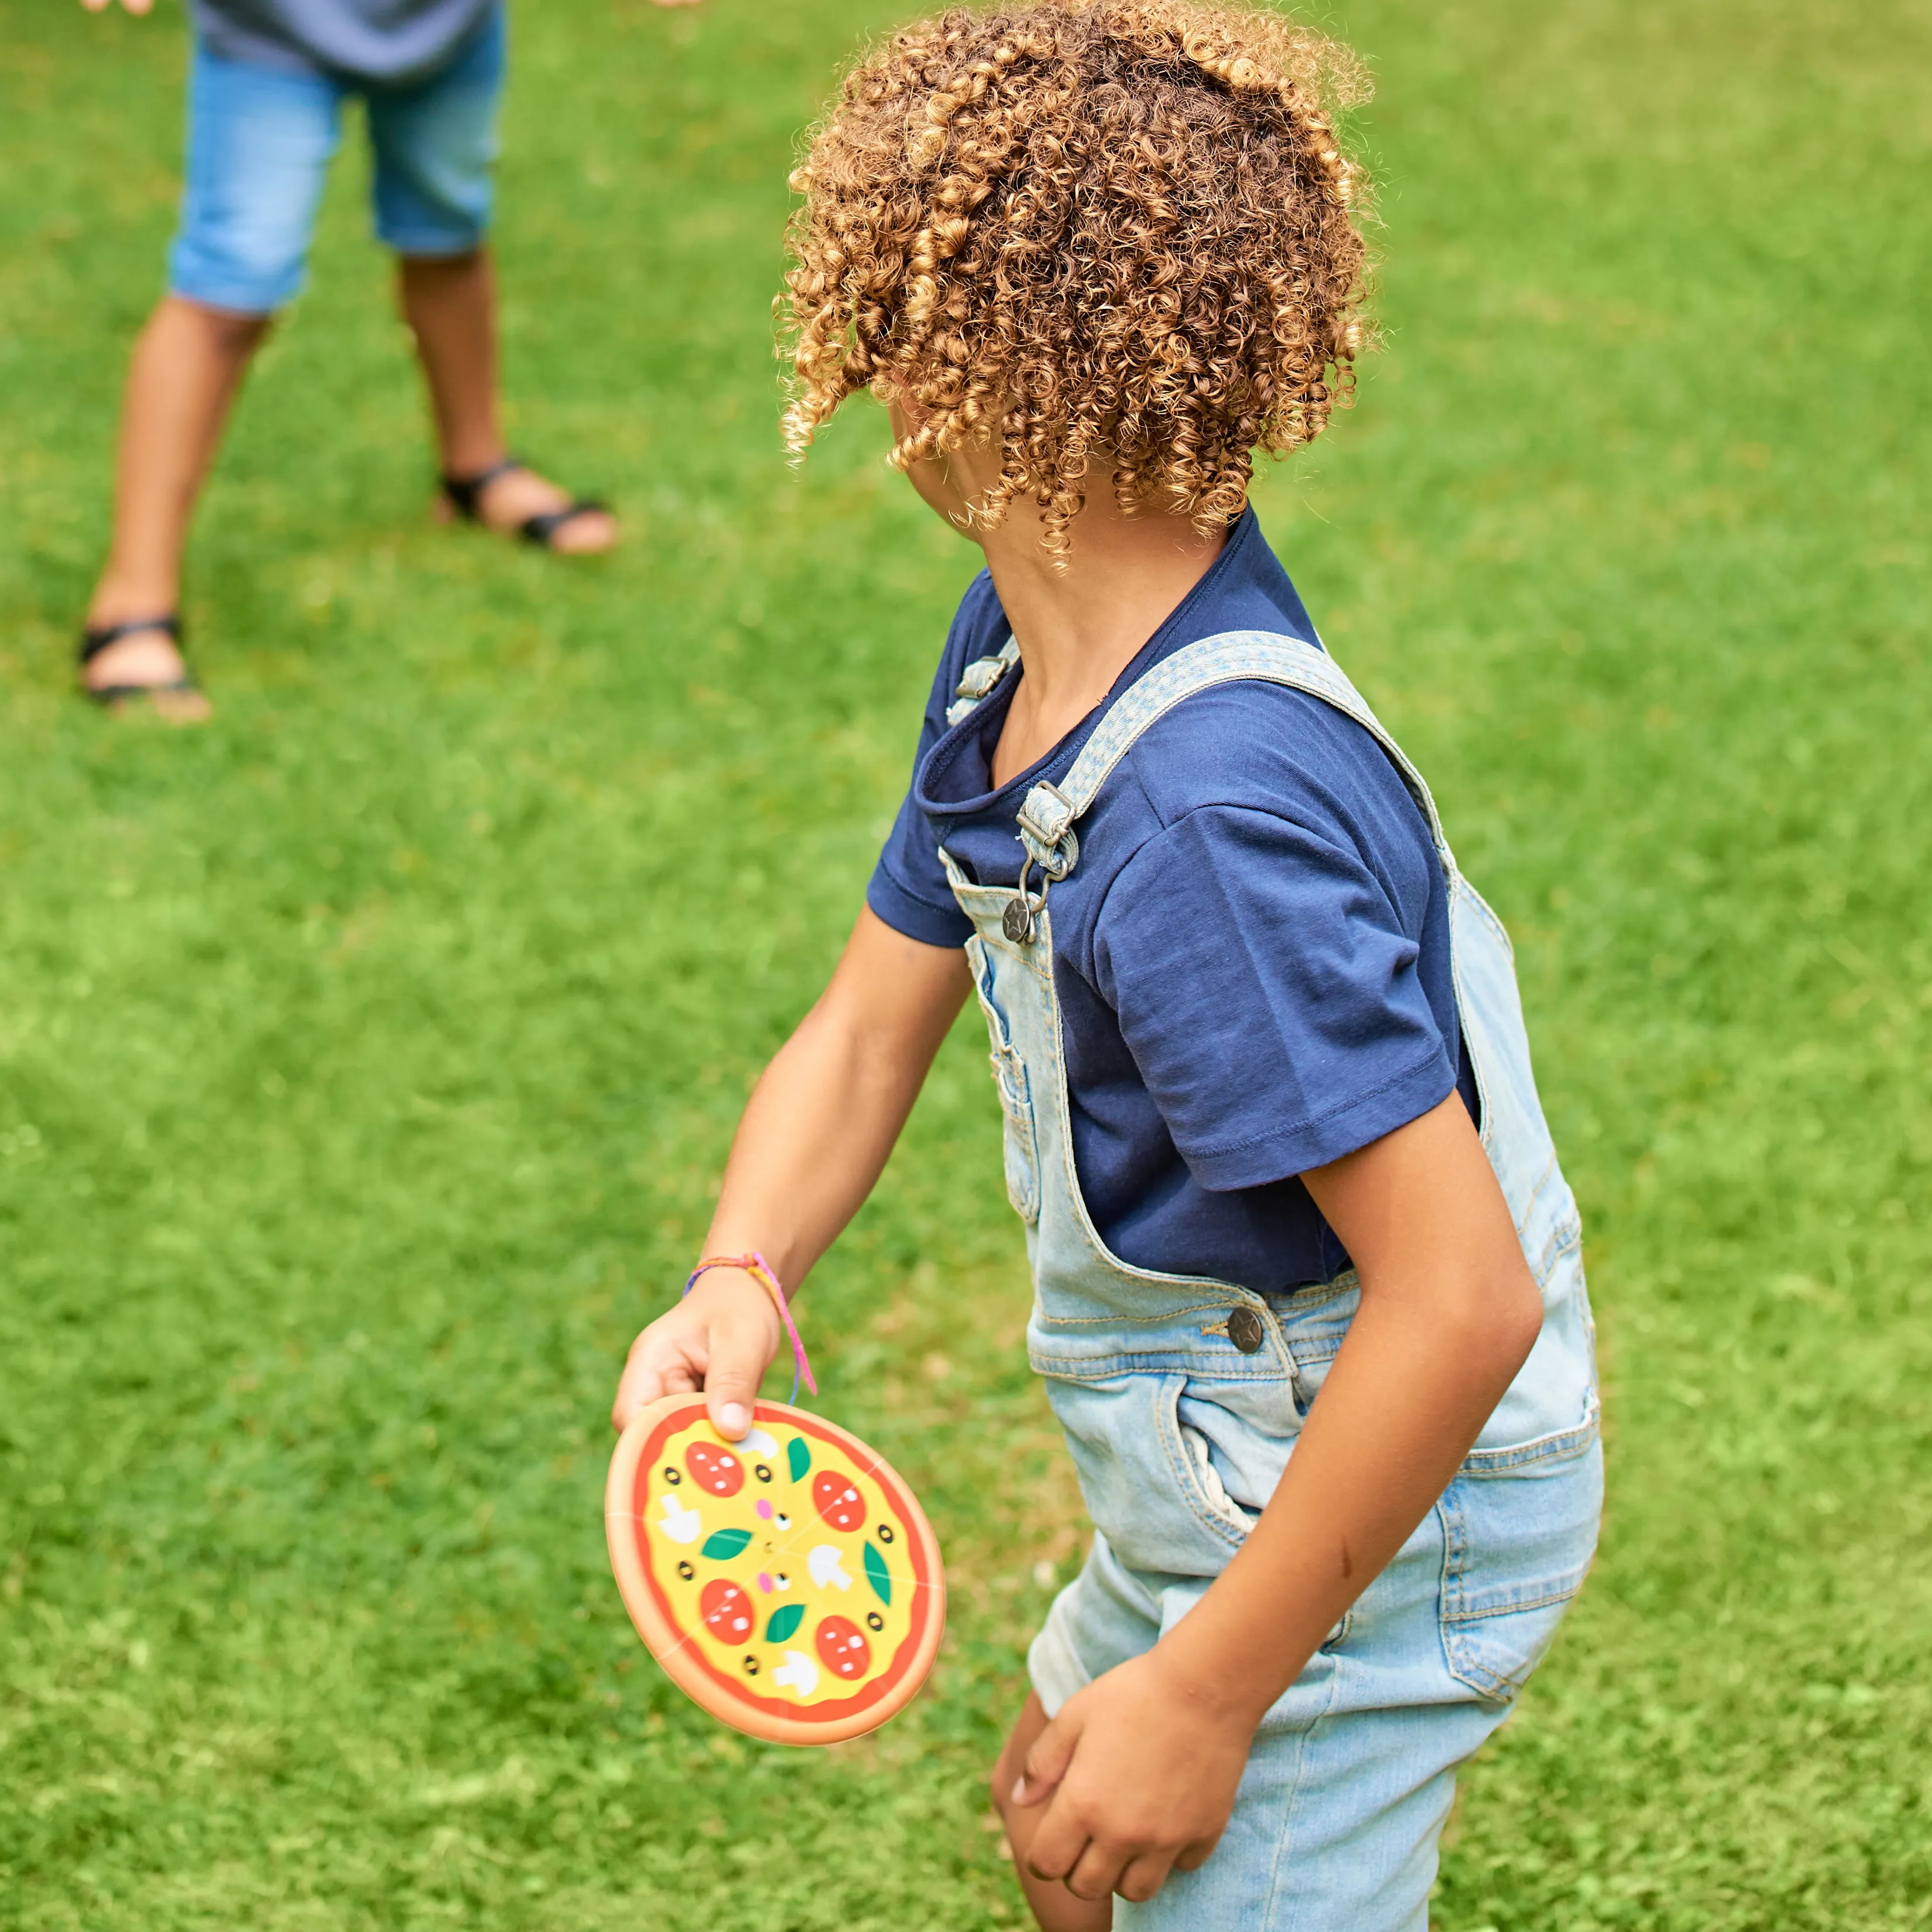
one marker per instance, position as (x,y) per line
(1245,1330)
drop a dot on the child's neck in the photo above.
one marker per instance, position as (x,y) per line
(1079,627)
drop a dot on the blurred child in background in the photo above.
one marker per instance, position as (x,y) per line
(266,87)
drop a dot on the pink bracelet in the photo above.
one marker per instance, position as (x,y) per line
(761,1270)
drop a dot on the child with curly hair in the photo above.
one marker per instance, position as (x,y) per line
(1308,1297)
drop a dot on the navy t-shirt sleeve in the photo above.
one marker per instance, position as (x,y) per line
(1268,992)
(902,890)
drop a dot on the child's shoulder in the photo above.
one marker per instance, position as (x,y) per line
(1254,746)
(1251,815)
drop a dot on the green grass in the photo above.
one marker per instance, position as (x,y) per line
(365,1058)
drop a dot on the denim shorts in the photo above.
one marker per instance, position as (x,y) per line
(259,142)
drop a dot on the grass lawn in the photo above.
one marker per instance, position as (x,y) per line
(366,1058)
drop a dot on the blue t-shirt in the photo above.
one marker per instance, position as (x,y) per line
(397,41)
(1251,955)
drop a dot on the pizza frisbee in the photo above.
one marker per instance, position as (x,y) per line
(789,1584)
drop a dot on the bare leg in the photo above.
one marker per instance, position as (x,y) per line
(450,304)
(187,366)
(1054,1908)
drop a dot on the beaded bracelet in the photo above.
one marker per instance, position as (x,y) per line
(761,1270)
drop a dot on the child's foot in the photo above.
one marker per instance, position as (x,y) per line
(515,501)
(141,664)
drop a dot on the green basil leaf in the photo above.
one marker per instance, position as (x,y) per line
(723,1543)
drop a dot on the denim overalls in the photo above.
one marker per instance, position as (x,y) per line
(1182,1398)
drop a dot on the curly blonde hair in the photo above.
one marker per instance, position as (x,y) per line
(1112,231)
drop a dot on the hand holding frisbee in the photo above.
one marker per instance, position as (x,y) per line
(788,1583)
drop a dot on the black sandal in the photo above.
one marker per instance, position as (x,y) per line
(464,495)
(97,638)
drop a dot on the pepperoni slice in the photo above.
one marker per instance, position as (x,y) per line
(842,1648)
(727,1611)
(837,1501)
(716,1471)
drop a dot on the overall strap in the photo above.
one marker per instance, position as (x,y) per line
(1049,814)
(977,682)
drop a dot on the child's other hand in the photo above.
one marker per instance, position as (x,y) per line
(129,6)
(1138,1774)
(721,1338)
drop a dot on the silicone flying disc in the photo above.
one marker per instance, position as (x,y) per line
(789,1584)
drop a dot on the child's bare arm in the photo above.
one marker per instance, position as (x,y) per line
(132,6)
(1141,1766)
(814,1135)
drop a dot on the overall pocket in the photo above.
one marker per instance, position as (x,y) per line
(1021,1154)
(1148,1480)
(1517,1544)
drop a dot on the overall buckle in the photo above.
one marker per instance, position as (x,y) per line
(1046,833)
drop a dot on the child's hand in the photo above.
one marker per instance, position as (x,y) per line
(1137,1773)
(721,1338)
(131,6)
